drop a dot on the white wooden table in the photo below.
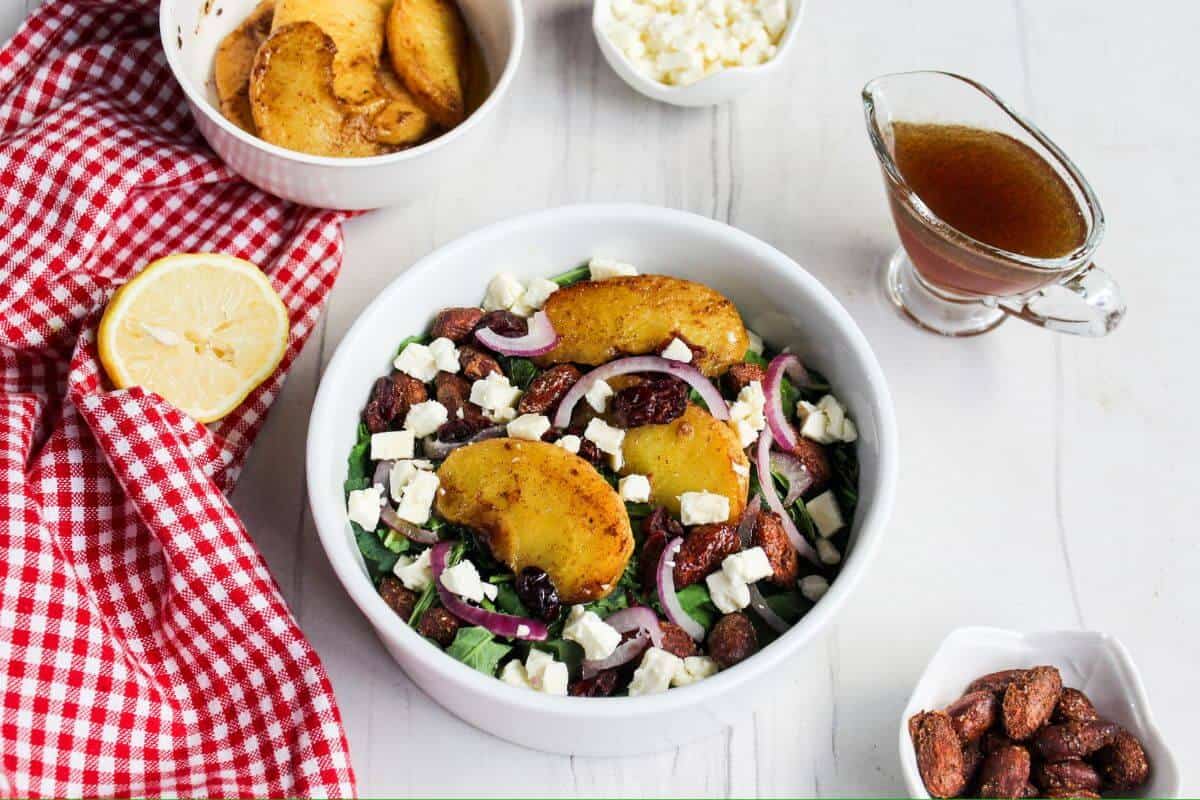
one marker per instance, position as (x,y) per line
(1047,482)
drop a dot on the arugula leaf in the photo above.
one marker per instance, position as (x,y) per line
(379,559)
(358,464)
(508,602)
(569,653)
(520,371)
(422,339)
(752,357)
(791,605)
(572,276)
(698,605)
(788,396)
(477,648)
(616,601)
(395,542)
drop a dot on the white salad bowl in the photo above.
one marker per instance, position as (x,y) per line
(720,87)
(777,298)
(191,31)
(1095,663)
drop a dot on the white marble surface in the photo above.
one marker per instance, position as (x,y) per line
(1047,482)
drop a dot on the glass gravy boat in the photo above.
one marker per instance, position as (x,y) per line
(953,284)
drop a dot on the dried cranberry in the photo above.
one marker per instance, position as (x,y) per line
(649,403)
(537,592)
(590,453)
(459,430)
(502,323)
(599,685)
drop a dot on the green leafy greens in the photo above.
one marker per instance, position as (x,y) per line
(478,649)
(571,276)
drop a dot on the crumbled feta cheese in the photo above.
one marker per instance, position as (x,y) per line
(503,292)
(514,674)
(677,350)
(415,573)
(655,672)
(597,396)
(825,513)
(495,394)
(601,268)
(606,437)
(545,674)
(362,506)
(390,445)
(402,472)
(529,426)
(616,461)
(827,552)
(813,587)
(597,638)
(747,414)
(727,594)
(445,355)
(416,499)
(538,291)
(826,422)
(702,508)
(425,418)
(570,443)
(634,488)
(748,566)
(418,361)
(694,668)
(756,342)
(463,580)
(501,416)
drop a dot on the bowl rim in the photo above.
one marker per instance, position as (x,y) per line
(601,11)
(1135,693)
(329,516)
(199,100)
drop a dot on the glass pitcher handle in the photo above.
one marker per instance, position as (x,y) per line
(1088,304)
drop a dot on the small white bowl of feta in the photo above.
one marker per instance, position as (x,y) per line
(695,52)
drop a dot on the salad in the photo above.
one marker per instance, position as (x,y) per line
(600,484)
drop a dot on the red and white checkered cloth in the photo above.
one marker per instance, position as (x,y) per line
(144,648)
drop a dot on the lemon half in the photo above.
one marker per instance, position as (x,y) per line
(201,329)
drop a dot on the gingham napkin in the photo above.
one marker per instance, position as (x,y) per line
(144,648)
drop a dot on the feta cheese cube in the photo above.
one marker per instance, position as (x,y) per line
(597,638)
(747,414)
(362,506)
(538,291)
(418,361)
(402,472)
(570,443)
(756,342)
(827,552)
(694,668)
(702,508)
(849,431)
(727,594)
(601,268)
(503,292)
(655,672)
(545,674)
(501,416)
(825,513)
(494,393)
(616,461)
(597,396)
(463,580)
(416,498)
(425,418)
(445,355)
(610,439)
(514,674)
(677,350)
(835,413)
(529,426)
(634,488)
(816,427)
(748,566)
(391,445)
(813,587)
(415,573)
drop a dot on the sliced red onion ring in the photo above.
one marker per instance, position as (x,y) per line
(381,472)
(797,475)
(437,450)
(759,604)
(762,463)
(637,618)
(626,651)
(782,364)
(403,526)
(505,625)
(541,338)
(745,529)
(666,591)
(623,366)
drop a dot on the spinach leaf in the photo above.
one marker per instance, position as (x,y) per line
(638,511)
(845,466)
(379,559)
(396,542)
(478,649)
(791,605)
(752,357)
(422,339)
(508,602)
(609,605)
(788,395)
(571,276)
(698,605)
(695,397)
(520,371)
(358,464)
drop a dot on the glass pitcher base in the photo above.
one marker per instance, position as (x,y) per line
(930,311)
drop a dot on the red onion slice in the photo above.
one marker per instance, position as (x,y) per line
(759,604)
(782,364)
(638,618)
(505,625)
(626,651)
(745,529)
(541,338)
(437,450)
(797,475)
(381,472)
(666,591)
(623,366)
(762,463)
(403,526)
